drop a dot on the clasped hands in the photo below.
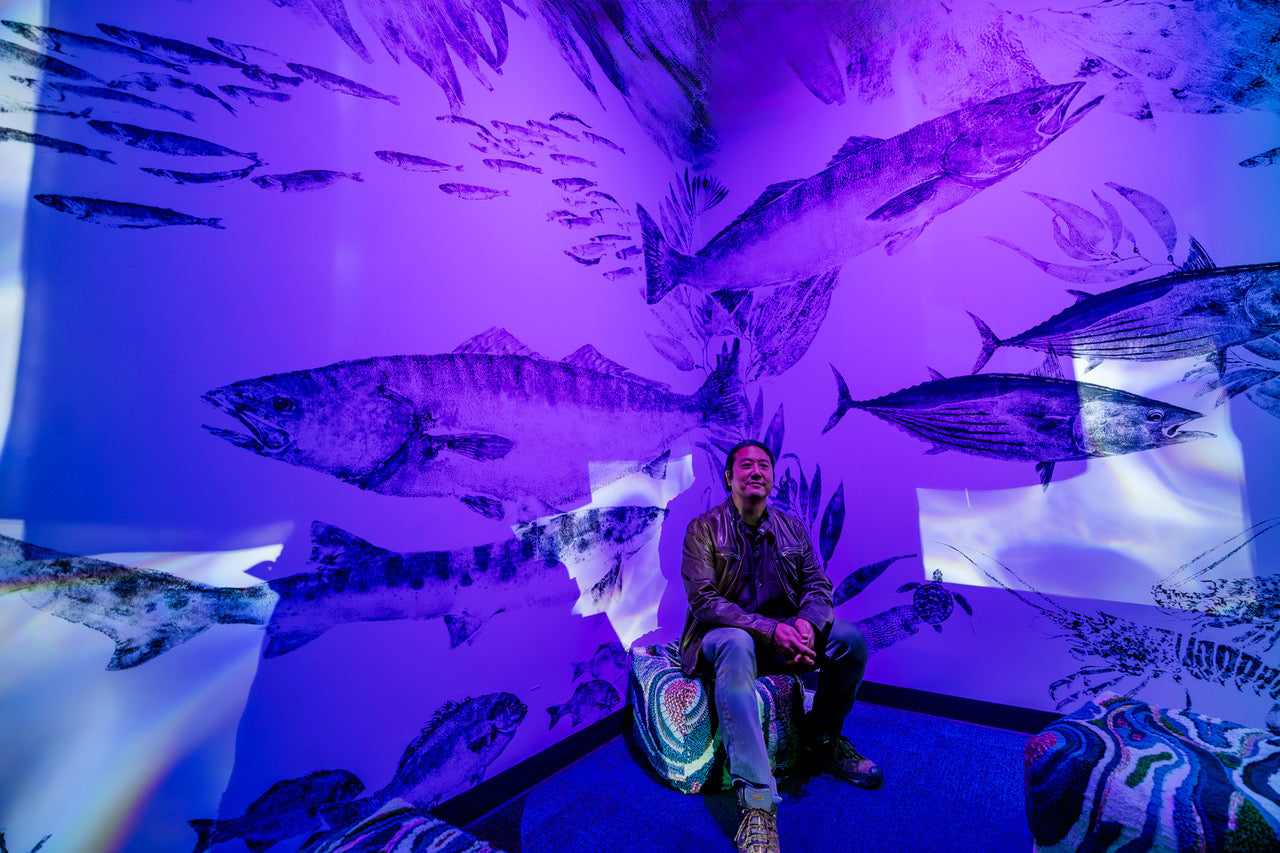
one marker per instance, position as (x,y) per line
(796,642)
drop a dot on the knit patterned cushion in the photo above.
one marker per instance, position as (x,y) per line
(673,722)
(397,827)
(1120,774)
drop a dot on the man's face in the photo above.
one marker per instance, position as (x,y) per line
(751,476)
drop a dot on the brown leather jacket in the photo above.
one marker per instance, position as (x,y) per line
(711,571)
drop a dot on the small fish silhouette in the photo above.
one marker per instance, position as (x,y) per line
(121,214)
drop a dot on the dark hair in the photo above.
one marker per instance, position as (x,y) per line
(749,442)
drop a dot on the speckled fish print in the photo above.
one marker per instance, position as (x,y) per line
(164,141)
(62,146)
(873,191)
(1199,310)
(1029,418)
(290,807)
(487,424)
(356,581)
(610,659)
(144,612)
(61,41)
(17,53)
(121,214)
(61,90)
(202,177)
(593,698)
(336,83)
(176,51)
(451,754)
(472,192)
(304,181)
(414,162)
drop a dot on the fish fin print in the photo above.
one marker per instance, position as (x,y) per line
(1051,369)
(907,201)
(963,602)
(1046,473)
(1080,295)
(462,629)
(852,146)
(770,194)
(990,343)
(488,507)
(589,358)
(556,712)
(328,542)
(204,828)
(1198,258)
(478,446)
(607,588)
(844,401)
(256,846)
(663,266)
(721,399)
(938,628)
(936,449)
(901,240)
(282,642)
(934,375)
(495,341)
(657,469)
(132,651)
(1093,362)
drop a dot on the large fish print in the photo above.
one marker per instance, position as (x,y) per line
(873,191)
(489,423)
(452,753)
(145,612)
(122,214)
(356,581)
(290,807)
(1031,418)
(1198,310)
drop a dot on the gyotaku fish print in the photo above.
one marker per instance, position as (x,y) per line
(47,64)
(61,90)
(144,612)
(154,82)
(1026,418)
(64,42)
(931,604)
(288,808)
(1200,310)
(448,757)
(122,214)
(338,83)
(609,660)
(355,581)
(305,181)
(176,51)
(414,162)
(591,699)
(165,141)
(489,425)
(873,191)
(62,146)
(202,177)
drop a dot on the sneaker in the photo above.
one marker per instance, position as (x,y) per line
(835,755)
(758,832)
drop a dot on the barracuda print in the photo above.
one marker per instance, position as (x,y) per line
(873,191)
(1031,418)
(490,423)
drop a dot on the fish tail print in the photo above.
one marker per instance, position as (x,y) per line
(663,265)
(204,828)
(132,650)
(990,343)
(843,404)
(212,222)
(556,711)
(721,399)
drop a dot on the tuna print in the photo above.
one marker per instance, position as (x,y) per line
(1027,418)
(356,581)
(144,612)
(873,191)
(451,754)
(488,424)
(121,214)
(1197,311)
(593,698)
(290,807)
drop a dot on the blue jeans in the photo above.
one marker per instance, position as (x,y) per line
(736,660)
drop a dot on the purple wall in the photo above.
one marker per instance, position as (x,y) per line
(419,521)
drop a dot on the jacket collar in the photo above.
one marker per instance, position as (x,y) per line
(766,522)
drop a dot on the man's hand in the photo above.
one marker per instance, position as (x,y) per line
(796,643)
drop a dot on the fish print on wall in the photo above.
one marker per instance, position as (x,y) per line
(451,754)
(144,612)
(356,581)
(289,808)
(1026,418)
(1121,654)
(609,663)
(931,604)
(593,698)
(873,191)
(490,423)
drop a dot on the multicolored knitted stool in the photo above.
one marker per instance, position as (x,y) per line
(1120,775)
(674,722)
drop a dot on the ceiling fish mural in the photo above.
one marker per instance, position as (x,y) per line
(1119,652)
(359,582)
(593,698)
(145,612)
(1201,310)
(490,423)
(451,754)
(1027,418)
(873,191)
(288,808)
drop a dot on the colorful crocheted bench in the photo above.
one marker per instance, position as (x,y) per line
(1118,774)
(673,718)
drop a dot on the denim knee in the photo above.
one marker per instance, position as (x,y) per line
(846,641)
(731,653)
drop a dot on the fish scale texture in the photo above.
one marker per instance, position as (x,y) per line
(674,727)
(1121,775)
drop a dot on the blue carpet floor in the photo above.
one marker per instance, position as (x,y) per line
(950,787)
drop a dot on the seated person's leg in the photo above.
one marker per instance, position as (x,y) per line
(842,664)
(730,654)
